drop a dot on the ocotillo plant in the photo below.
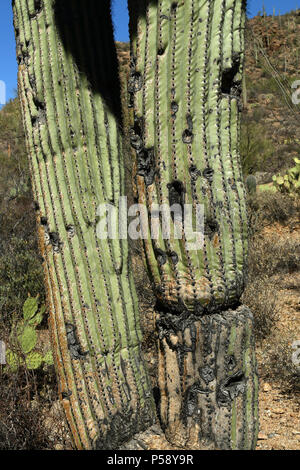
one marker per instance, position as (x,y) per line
(70,104)
(187,63)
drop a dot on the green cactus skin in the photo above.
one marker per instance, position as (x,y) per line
(185,87)
(75,150)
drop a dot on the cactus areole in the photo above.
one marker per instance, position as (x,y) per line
(187,61)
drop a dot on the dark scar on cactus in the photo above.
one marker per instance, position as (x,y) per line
(70,230)
(230,362)
(55,242)
(174,7)
(176,193)
(161,256)
(135,82)
(230,86)
(174,108)
(161,51)
(208,173)
(121,424)
(73,343)
(136,140)
(38,4)
(40,106)
(230,388)
(190,402)
(187,136)
(146,165)
(40,118)
(136,132)
(211,227)
(32,82)
(174,257)
(23,58)
(36,206)
(194,172)
(207,374)
(66,394)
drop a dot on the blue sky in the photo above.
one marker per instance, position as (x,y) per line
(8,66)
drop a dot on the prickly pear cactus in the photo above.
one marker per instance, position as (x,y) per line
(24,339)
(207,380)
(185,86)
(70,101)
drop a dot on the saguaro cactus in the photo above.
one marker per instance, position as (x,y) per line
(187,62)
(70,102)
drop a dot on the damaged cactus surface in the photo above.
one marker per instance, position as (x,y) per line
(187,61)
(71,109)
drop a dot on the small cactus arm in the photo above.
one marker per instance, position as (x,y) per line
(251,184)
(70,107)
(187,62)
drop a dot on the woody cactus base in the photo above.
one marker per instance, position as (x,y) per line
(208,381)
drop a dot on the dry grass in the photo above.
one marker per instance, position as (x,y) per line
(21,423)
(26,398)
(260,296)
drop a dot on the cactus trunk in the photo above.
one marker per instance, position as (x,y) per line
(71,110)
(185,86)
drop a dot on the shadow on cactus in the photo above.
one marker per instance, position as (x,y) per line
(24,340)
(70,12)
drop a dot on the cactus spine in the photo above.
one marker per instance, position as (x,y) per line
(70,108)
(187,65)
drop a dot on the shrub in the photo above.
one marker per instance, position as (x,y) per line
(24,339)
(276,363)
